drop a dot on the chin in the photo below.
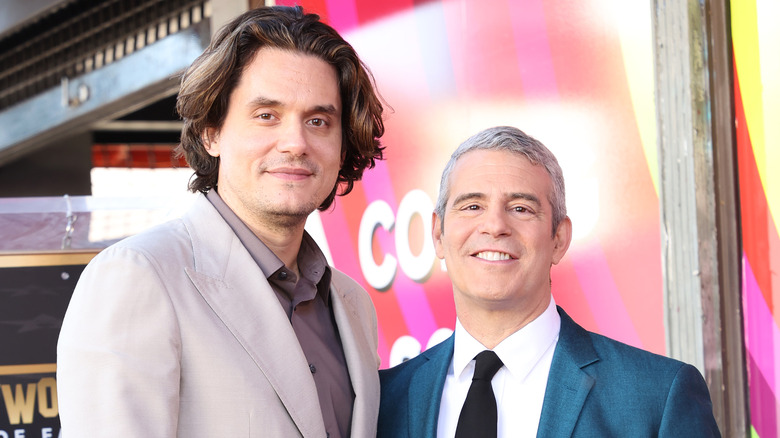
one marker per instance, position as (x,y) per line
(293,211)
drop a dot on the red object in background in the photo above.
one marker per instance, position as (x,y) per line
(149,156)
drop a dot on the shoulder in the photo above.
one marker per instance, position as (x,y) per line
(654,391)
(588,347)
(401,372)
(399,375)
(411,392)
(344,281)
(631,364)
(624,370)
(649,376)
(163,242)
(348,287)
(611,348)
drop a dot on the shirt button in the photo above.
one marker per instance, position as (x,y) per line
(283,275)
(312,368)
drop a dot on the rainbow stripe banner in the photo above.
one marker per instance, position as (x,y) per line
(756,42)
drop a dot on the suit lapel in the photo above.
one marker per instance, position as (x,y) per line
(237,291)
(567,384)
(425,389)
(361,358)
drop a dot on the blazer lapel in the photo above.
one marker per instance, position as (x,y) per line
(567,384)
(237,291)
(425,389)
(362,361)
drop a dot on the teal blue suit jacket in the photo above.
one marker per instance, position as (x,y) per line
(597,387)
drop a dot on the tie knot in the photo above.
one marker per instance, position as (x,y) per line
(487,365)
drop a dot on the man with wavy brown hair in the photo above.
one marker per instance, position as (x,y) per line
(228,321)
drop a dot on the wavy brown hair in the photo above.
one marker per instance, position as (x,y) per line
(207,84)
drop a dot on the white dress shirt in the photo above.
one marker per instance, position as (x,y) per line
(518,386)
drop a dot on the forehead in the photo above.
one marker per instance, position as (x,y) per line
(280,71)
(498,172)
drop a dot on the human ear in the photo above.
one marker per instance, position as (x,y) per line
(437,232)
(561,240)
(209,138)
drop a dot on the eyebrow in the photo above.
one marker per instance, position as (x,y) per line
(477,196)
(325,109)
(467,197)
(527,196)
(262,101)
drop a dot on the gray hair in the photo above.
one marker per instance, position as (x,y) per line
(510,139)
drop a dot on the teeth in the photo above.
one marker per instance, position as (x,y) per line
(493,255)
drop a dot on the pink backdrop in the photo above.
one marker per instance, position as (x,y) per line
(570,74)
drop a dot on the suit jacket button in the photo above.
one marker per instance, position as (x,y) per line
(312,368)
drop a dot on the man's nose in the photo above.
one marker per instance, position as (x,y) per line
(292,138)
(495,221)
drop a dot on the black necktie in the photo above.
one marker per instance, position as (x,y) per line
(479,415)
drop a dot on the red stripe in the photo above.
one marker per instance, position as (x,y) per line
(371,10)
(757,229)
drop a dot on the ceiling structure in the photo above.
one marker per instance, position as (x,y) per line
(108,68)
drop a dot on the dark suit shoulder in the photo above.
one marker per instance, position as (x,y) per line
(642,393)
(394,398)
(633,357)
(586,348)
(411,393)
(670,395)
(400,374)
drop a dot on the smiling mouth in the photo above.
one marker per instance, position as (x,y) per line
(493,256)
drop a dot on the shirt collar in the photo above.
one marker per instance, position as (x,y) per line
(519,352)
(312,263)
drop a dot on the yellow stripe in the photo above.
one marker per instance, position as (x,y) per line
(744,34)
(635,29)
(754,34)
(19,260)
(9,370)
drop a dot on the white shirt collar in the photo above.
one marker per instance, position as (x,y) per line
(519,352)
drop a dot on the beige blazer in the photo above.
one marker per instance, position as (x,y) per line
(176,332)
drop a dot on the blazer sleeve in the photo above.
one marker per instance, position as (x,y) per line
(688,409)
(118,352)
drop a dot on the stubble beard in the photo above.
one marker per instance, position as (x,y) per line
(285,218)
(280,217)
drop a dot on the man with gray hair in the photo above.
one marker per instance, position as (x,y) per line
(517,365)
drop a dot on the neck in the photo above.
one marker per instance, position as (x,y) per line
(281,233)
(283,241)
(492,324)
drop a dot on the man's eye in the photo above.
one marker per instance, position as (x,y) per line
(473,207)
(317,122)
(265,116)
(521,209)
